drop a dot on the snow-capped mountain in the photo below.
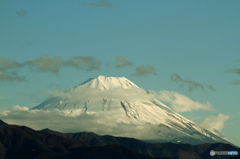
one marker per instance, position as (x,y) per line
(106,83)
(120,95)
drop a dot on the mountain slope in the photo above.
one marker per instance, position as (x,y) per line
(124,98)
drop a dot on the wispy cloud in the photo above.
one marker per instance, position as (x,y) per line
(22,13)
(97,94)
(122,62)
(32,96)
(181,103)
(234,70)
(215,123)
(190,84)
(6,72)
(235,82)
(27,44)
(84,63)
(7,64)
(144,70)
(102,3)
(47,64)
(11,76)
(54,85)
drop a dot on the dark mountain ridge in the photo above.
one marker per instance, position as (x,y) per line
(2,122)
(20,141)
(176,151)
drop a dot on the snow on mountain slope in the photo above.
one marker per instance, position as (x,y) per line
(103,83)
(118,94)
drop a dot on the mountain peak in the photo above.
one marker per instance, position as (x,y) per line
(103,83)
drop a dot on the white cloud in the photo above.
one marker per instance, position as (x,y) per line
(181,103)
(178,102)
(215,123)
(108,122)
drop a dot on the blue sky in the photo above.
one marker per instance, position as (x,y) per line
(188,47)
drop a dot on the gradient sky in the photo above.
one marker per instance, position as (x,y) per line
(189,50)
